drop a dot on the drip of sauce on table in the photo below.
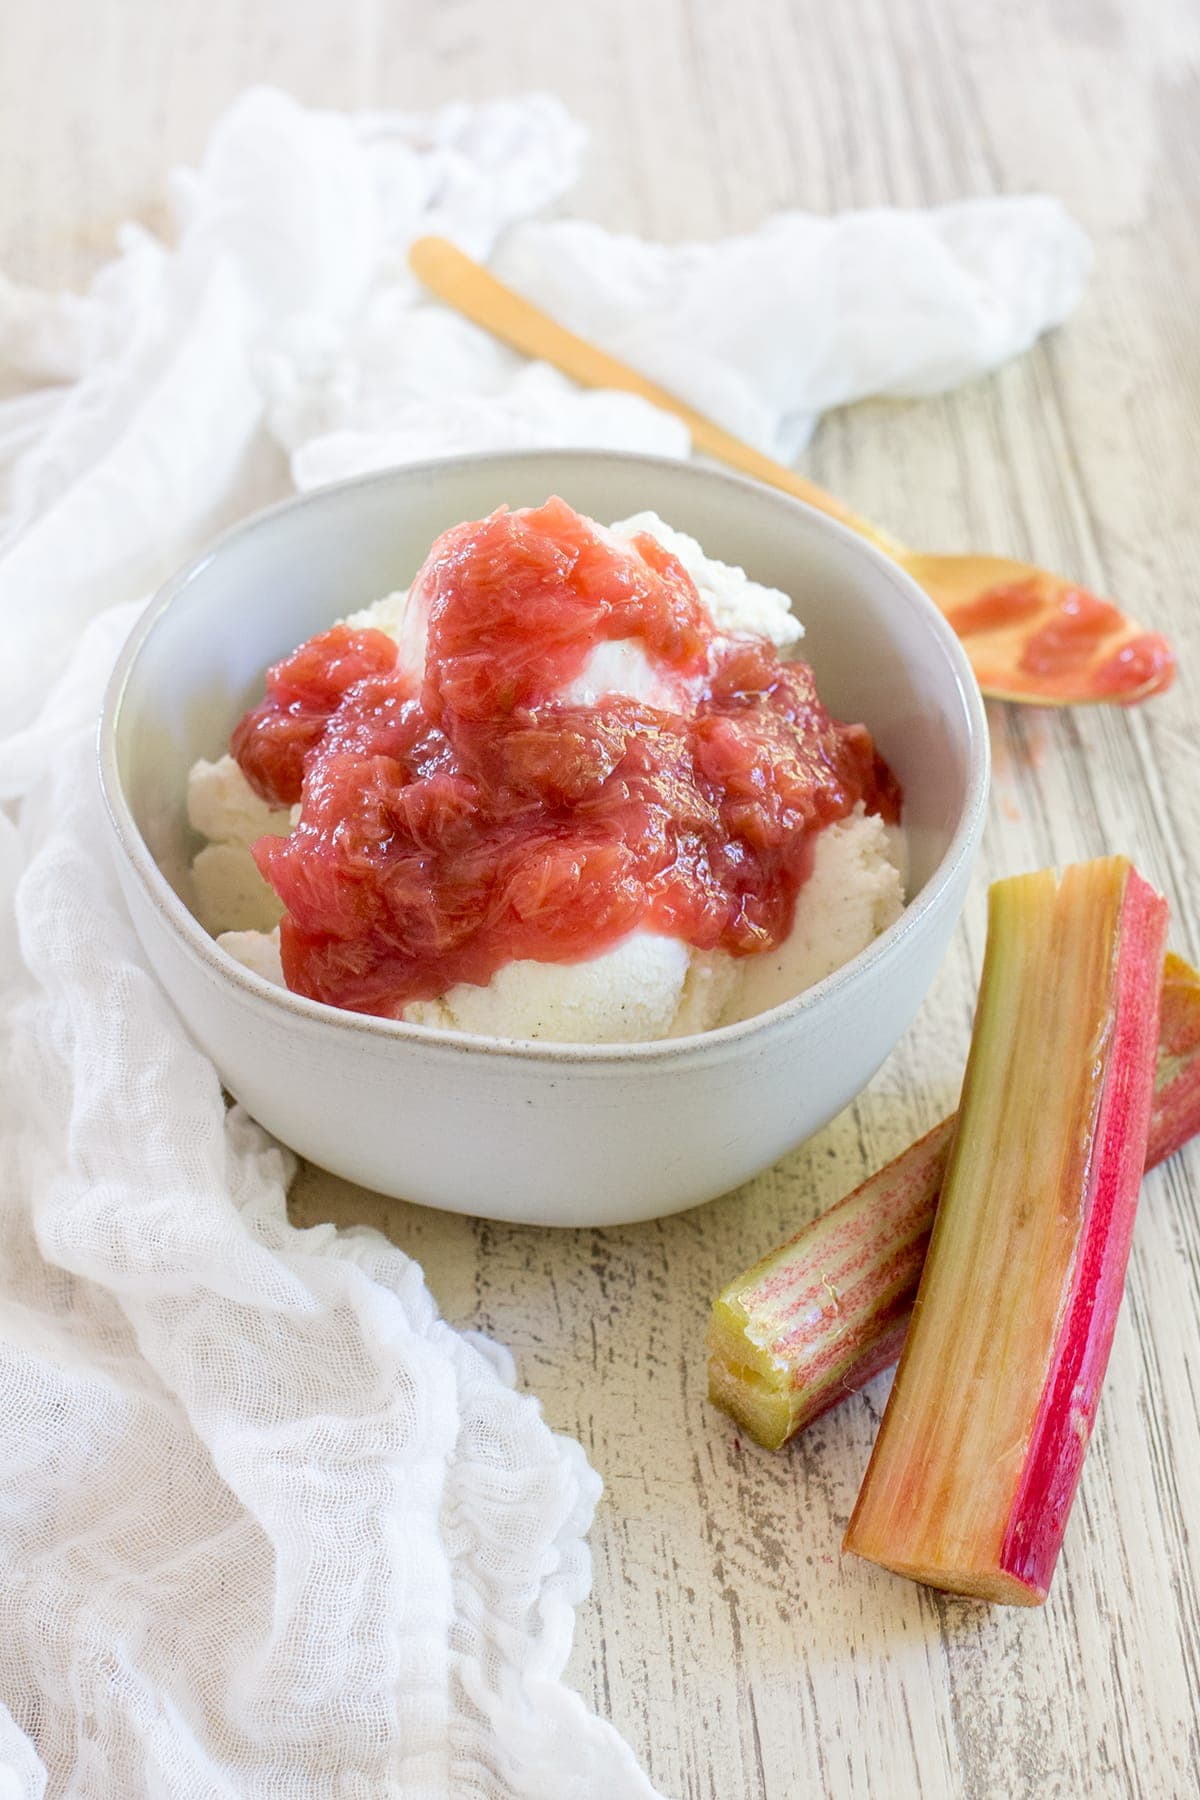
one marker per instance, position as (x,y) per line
(456,820)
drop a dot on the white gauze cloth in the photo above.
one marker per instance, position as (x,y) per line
(268,1526)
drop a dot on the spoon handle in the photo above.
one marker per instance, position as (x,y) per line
(471,290)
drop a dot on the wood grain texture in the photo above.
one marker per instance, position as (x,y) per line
(725,1636)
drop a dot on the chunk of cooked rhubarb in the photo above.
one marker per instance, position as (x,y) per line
(814,1321)
(975,1467)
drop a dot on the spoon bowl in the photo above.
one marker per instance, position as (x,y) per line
(1036,637)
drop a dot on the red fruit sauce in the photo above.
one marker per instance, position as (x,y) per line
(453,824)
(1064,655)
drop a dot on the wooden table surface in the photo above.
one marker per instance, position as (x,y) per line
(725,1637)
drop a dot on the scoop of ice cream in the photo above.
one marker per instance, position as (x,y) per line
(644,988)
(648,986)
(737,606)
(257,951)
(223,807)
(629,994)
(855,891)
(229,894)
(400,616)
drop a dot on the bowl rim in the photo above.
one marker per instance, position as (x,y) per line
(256,989)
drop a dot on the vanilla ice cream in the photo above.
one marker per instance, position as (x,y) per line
(229,894)
(646,987)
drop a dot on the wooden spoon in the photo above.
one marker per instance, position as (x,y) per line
(1030,635)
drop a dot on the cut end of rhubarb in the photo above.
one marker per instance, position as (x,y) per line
(975,1467)
(744,1379)
(995,1585)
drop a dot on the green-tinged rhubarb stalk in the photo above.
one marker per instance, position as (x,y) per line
(975,1467)
(817,1318)
(812,1322)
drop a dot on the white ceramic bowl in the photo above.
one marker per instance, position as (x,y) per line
(542,1133)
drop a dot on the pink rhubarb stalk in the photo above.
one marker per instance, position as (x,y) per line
(979,1454)
(816,1319)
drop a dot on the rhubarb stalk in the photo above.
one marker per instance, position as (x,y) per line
(815,1320)
(976,1463)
